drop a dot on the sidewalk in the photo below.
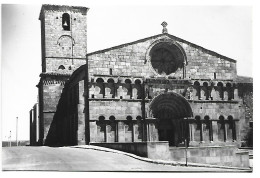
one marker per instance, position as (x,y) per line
(173,163)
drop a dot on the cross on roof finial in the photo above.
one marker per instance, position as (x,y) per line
(164,24)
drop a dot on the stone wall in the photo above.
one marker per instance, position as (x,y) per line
(54,64)
(66,124)
(116,130)
(131,60)
(246,123)
(216,109)
(120,109)
(59,42)
(153,150)
(223,156)
(48,121)
(81,114)
(49,96)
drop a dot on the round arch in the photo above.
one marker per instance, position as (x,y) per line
(170,109)
(170,101)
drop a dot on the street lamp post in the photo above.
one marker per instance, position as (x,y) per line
(16,131)
(186,140)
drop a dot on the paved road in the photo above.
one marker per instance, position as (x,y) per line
(75,159)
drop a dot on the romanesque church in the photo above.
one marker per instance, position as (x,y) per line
(157,92)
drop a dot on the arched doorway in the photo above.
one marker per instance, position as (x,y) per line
(171,109)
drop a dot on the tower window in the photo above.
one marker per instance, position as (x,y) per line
(66,21)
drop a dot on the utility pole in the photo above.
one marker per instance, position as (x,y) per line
(10,138)
(16,131)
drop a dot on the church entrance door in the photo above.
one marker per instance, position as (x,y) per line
(170,110)
(166,131)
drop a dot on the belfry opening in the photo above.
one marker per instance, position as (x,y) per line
(172,111)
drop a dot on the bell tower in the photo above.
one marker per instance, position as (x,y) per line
(64,47)
(64,37)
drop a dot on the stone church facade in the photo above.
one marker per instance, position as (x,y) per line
(160,89)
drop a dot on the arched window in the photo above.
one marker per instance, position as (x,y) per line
(100,85)
(198,122)
(198,130)
(111,130)
(61,67)
(206,118)
(129,134)
(139,118)
(229,91)
(220,90)
(101,118)
(208,128)
(197,89)
(110,88)
(128,87)
(112,118)
(206,91)
(66,22)
(137,82)
(221,129)
(99,80)
(110,80)
(128,81)
(138,88)
(101,129)
(138,129)
(232,126)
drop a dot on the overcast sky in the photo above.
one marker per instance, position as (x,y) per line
(224,29)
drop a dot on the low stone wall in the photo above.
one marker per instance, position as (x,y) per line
(158,150)
(153,150)
(241,159)
(217,155)
(138,148)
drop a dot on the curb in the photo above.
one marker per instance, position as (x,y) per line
(164,162)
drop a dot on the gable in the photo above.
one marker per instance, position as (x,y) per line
(134,59)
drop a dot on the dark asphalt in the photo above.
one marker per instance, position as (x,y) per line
(75,159)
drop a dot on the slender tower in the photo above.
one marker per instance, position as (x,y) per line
(64,46)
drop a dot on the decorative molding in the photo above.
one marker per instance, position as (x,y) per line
(169,41)
(52,82)
(165,40)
